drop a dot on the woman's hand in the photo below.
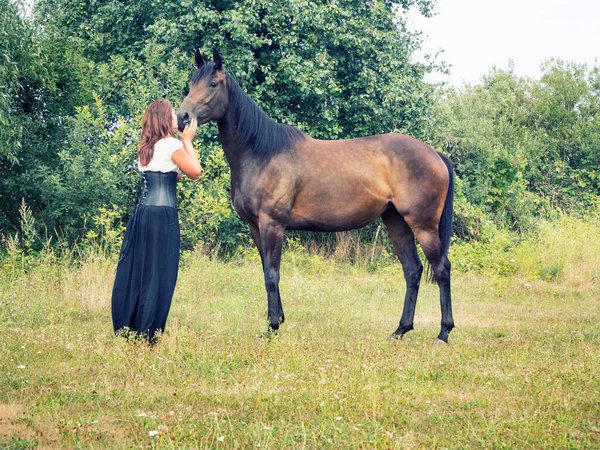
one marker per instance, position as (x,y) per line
(188,133)
(187,160)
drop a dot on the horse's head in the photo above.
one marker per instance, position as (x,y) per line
(208,98)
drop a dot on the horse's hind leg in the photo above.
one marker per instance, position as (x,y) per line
(440,264)
(405,248)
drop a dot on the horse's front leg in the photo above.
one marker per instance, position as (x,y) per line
(257,241)
(271,243)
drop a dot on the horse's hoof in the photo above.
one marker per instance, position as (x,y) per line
(438,341)
(275,323)
(268,335)
(395,337)
(402,330)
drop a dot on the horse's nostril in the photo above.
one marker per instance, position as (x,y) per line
(182,120)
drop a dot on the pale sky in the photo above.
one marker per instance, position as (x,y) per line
(478,34)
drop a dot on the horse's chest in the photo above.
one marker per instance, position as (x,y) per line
(243,204)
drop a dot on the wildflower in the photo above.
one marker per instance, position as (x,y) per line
(221,438)
(339,418)
(21,366)
(141,415)
(152,433)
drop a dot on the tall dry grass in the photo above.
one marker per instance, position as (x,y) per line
(520,370)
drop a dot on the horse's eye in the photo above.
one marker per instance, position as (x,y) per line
(213,84)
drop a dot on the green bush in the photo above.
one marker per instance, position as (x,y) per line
(525,148)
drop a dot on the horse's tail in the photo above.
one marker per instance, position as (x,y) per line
(445,225)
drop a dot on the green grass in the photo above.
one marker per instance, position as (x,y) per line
(521,370)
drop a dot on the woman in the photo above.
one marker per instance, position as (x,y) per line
(149,258)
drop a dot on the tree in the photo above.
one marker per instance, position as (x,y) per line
(335,69)
(524,147)
(42,82)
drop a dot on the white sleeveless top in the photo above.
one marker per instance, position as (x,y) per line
(161,160)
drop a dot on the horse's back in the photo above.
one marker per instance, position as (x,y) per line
(345,184)
(393,158)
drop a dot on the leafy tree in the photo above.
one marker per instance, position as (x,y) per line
(16,64)
(42,83)
(335,69)
(524,147)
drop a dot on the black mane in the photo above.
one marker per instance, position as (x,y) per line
(255,130)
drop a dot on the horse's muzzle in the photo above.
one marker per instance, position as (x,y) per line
(182,121)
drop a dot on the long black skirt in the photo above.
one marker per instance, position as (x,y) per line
(147,271)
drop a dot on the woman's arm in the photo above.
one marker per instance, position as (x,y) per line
(186,158)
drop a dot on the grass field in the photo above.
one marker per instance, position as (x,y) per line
(521,370)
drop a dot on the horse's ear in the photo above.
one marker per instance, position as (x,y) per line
(199,59)
(217,60)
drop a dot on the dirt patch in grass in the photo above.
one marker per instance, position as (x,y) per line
(10,425)
(13,427)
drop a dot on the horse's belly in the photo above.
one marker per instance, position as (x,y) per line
(334,215)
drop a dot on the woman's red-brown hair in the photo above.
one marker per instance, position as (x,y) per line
(156,125)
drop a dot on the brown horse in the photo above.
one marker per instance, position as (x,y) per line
(283,179)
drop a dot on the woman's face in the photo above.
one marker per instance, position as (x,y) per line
(174,119)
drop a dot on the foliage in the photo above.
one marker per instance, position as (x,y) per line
(335,69)
(524,147)
(38,94)
(70,112)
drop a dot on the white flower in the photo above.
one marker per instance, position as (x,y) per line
(141,415)
(152,433)
(339,418)
(21,366)
(221,438)
(266,428)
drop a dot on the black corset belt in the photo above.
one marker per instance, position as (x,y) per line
(154,189)
(158,189)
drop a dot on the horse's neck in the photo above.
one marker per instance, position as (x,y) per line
(234,151)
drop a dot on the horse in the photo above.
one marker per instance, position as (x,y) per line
(283,179)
